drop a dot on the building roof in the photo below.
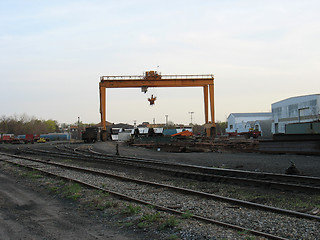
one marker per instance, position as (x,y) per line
(297,97)
(251,123)
(257,114)
(121,125)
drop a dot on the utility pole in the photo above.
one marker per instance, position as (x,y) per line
(191,116)
(166,120)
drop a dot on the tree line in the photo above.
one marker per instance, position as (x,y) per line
(24,124)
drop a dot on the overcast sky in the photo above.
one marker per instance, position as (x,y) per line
(52,54)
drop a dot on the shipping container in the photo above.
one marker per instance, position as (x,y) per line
(56,136)
(303,128)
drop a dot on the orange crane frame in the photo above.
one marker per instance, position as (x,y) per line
(153,79)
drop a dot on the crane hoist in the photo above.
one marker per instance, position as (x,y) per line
(152,99)
(154,79)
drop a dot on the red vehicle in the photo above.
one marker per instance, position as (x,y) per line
(9,138)
(29,138)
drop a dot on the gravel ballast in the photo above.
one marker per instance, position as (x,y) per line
(259,220)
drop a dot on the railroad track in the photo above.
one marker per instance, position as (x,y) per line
(143,192)
(259,179)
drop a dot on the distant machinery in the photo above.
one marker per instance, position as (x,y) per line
(153,79)
(90,134)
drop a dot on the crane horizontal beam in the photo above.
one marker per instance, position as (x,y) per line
(164,81)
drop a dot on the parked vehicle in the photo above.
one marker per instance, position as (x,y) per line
(41,140)
(28,138)
(90,134)
(10,138)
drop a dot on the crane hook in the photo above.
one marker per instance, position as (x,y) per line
(152,99)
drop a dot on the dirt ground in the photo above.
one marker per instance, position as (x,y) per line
(27,212)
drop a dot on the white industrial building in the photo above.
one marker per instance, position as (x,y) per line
(294,110)
(242,122)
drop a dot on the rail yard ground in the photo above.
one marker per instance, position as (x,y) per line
(275,163)
(31,206)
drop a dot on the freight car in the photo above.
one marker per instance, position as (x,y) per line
(55,136)
(90,134)
(10,138)
(28,138)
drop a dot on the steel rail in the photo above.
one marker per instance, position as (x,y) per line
(222,171)
(195,175)
(256,177)
(184,190)
(158,207)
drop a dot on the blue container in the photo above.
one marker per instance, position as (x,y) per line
(169,132)
(56,136)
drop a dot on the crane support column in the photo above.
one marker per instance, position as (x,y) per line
(213,123)
(102,91)
(206,106)
(211,88)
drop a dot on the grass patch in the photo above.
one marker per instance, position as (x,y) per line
(128,224)
(32,175)
(306,203)
(143,224)
(171,222)
(54,189)
(103,194)
(187,215)
(173,237)
(250,238)
(103,205)
(300,204)
(148,219)
(151,217)
(131,210)
(151,206)
(72,191)
(67,160)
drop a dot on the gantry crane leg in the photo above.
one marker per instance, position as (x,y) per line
(213,127)
(209,126)
(211,89)
(102,91)
(206,106)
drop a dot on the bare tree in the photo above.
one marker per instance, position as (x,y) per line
(24,124)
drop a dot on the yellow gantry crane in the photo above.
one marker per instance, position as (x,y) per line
(153,79)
